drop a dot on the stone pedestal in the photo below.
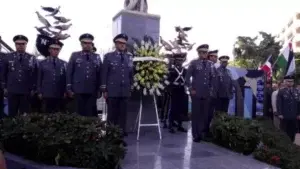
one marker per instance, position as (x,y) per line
(136,24)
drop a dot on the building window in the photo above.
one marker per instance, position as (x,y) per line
(298,30)
(298,44)
(298,16)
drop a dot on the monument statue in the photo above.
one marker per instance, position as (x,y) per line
(136,5)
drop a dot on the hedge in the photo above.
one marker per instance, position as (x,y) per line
(63,140)
(257,137)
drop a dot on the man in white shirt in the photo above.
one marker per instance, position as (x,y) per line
(276,120)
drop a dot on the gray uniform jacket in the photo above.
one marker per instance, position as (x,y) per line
(117,74)
(83,73)
(225,84)
(204,78)
(2,58)
(52,78)
(288,103)
(19,73)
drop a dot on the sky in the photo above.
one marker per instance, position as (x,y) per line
(215,22)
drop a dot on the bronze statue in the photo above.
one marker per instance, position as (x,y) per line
(136,5)
(180,43)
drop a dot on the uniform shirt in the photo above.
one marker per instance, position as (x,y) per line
(52,77)
(274,100)
(117,74)
(83,73)
(20,73)
(204,77)
(288,103)
(2,57)
(225,84)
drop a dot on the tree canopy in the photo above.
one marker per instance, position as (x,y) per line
(250,52)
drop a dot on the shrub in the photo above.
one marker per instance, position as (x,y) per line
(64,140)
(235,133)
(260,137)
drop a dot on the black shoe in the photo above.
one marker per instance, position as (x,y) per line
(125,134)
(171,130)
(197,140)
(181,129)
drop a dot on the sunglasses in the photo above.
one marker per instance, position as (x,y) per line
(20,44)
(55,49)
(121,43)
(87,43)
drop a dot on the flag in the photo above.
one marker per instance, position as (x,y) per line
(267,67)
(286,61)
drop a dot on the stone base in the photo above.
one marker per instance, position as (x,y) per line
(136,24)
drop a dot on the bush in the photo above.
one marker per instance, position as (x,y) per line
(260,137)
(64,140)
(235,133)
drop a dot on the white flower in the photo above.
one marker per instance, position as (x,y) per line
(151,91)
(166,82)
(158,92)
(160,86)
(145,91)
(135,84)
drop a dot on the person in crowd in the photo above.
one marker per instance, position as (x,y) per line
(52,79)
(268,103)
(276,87)
(83,77)
(2,57)
(204,75)
(19,77)
(225,85)
(2,159)
(117,79)
(288,107)
(212,56)
(179,98)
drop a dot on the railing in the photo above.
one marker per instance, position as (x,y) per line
(5,46)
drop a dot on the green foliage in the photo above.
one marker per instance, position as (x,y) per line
(259,137)
(151,73)
(64,140)
(243,63)
(252,53)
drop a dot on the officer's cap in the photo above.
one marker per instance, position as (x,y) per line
(20,39)
(86,38)
(289,78)
(203,48)
(123,38)
(224,58)
(213,53)
(56,44)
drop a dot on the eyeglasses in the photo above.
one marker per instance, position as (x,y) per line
(20,44)
(202,52)
(87,43)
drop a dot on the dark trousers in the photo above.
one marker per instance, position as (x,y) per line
(289,127)
(86,104)
(1,104)
(200,110)
(36,104)
(211,111)
(222,105)
(18,103)
(179,106)
(53,105)
(117,111)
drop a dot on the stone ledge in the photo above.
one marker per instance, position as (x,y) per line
(135,13)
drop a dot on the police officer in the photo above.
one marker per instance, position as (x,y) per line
(179,99)
(212,56)
(117,78)
(19,77)
(288,107)
(225,83)
(203,73)
(2,57)
(52,79)
(83,77)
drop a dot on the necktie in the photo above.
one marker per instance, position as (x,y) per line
(20,57)
(204,64)
(122,57)
(87,57)
(54,62)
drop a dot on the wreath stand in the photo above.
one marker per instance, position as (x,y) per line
(138,123)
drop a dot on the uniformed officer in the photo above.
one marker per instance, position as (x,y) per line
(203,73)
(117,79)
(225,83)
(2,57)
(52,79)
(83,77)
(179,98)
(19,77)
(288,107)
(212,56)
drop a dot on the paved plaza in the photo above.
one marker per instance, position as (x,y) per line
(177,151)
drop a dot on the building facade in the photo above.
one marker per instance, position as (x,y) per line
(291,32)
